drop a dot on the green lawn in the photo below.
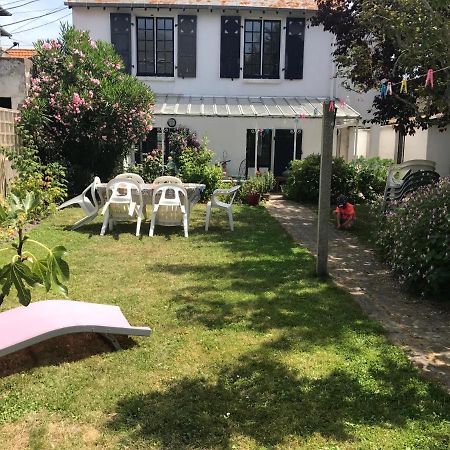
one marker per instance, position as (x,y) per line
(249,351)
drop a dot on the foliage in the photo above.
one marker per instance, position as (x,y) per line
(191,160)
(194,165)
(153,166)
(46,181)
(376,42)
(303,180)
(260,184)
(370,176)
(415,239)
(26,270)
(82,109)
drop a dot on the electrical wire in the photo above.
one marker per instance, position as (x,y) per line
(43,25)
(29,23)
(24,4)
(12,3)
(32,18)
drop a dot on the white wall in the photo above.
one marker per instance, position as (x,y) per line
(317,60)
(439,150)
(416,146)
(229,134)
(14,79)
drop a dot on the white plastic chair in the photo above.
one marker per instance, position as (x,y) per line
(89,207)
(167,179)
(124,202)
(215,202)
(172,198)
(131,176)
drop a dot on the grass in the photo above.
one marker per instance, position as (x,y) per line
(249,351)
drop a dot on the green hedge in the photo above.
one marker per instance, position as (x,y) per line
(359,180)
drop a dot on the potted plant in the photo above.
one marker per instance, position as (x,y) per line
(252,191)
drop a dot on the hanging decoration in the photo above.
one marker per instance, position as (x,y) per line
(383,90)
(331,107)
(389,88)
(342,103)
(301,116)
(404,85)
(429,81)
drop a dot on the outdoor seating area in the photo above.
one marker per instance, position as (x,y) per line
(167,201)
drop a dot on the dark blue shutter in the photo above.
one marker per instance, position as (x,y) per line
(230,46)
(187,46)
(121,37)
(295,43)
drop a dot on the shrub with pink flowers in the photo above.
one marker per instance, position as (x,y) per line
(82,109)
(414,238)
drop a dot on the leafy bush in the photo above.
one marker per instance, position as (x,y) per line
(25,268)
(359,180)
(303,180)
(82,109)
(194,166)
(371,175)
(415,239)
(152,167)
(46,182)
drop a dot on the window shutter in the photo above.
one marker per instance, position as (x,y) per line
(295,40)
(230,45)
(121,37)
(187,46)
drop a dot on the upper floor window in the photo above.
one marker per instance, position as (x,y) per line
(262,48)
(155,50)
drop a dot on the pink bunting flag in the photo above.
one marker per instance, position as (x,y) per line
(342,103)
(331,107)
(301,116)
(430,79)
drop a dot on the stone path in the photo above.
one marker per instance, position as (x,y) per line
(420,328)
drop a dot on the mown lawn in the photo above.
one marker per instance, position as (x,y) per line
(249,351)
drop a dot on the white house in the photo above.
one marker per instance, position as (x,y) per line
(251,75)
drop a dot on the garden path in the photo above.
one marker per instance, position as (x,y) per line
(420,327)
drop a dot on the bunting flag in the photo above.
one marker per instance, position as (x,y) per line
(301,116)
(342,103)
(429,81)
(389,88)
(383,90)
(331,107)
(404,85)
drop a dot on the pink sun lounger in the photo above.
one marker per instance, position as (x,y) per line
(24,326)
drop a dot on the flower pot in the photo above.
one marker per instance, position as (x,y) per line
(253,199)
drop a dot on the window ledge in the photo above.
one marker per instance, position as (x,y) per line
(262,80)
(149,78)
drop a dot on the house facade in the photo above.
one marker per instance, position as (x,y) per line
(249,75)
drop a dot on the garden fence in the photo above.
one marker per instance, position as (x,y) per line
(10,140)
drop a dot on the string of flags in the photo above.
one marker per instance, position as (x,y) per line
(386,86)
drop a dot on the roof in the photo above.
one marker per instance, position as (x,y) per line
(283,107)
(19,53)
(213,4)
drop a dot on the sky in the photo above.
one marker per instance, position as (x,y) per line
(33,27)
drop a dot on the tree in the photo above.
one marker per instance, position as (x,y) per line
(82,109)
(379,42)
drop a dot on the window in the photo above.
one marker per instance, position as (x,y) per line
(155,46)
(262,49)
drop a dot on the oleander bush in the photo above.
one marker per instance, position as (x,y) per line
(82,109)
(414,238)
(152,166)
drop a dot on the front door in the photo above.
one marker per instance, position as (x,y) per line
(284,149)
(263,148)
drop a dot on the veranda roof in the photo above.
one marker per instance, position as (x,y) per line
(215,106)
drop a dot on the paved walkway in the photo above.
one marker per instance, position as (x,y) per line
(420,328)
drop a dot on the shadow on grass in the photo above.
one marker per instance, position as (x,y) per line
(266,401)
(59,350)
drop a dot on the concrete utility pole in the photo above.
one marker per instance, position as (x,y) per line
(325,187)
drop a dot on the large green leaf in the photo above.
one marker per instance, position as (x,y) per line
(17,273)
(40,270)
(58,268)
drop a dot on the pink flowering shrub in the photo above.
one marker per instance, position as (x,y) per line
(82,109)
(415,239)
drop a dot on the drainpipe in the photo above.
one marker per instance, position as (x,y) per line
(355,149)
